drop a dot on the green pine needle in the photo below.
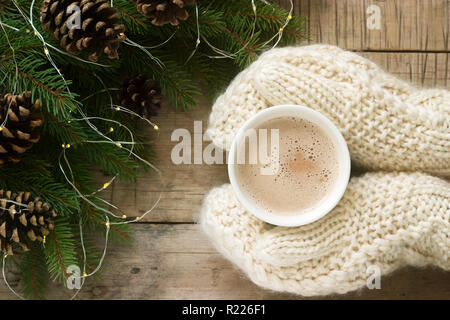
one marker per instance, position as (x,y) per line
(226,25)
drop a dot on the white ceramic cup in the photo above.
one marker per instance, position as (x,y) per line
(343,158)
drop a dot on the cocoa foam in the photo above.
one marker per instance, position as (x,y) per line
(308,169)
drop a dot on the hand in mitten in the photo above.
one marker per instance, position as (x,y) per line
(387,123)
(384,219)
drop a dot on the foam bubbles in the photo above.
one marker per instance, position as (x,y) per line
(307,171)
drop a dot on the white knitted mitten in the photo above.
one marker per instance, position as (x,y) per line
(384,219)
(387,123)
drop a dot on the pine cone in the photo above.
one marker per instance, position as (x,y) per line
(99,32)
(19,223)
(141,95)
(22,128)
(164,11)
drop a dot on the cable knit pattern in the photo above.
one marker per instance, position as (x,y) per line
(387,123)
(384,219)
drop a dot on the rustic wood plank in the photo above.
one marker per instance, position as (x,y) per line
(421,69)
(178,262)
(184,186)
(404,24)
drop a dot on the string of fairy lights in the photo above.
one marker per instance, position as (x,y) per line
(63,160)
(16,75)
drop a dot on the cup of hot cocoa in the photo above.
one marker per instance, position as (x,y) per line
(289,165)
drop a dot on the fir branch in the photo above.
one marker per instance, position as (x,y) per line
(18,177)
(121,231)
(34,275)
(60,250)
(225,24)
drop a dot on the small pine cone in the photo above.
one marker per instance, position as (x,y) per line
(22,128)
(141,95)
(31,220)
(164,11)
(98,33)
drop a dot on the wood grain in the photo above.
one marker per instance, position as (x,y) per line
(184,185)
(427,70)
(406,25)
(178,262)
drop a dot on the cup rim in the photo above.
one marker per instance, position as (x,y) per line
(343,155)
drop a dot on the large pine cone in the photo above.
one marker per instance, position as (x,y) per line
(22,128)
(20,223)
(164,11)
(99,31)
(141,95)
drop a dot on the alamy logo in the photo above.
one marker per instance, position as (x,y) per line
(374,279)
(74,20)
(74,279)
(373,17)
(258,150)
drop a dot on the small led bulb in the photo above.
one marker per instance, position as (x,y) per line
(46,52)
(107,224)
(84,274)
(118,144)
(124,216)
(198,41)
(111,129)
(156,127)
(117,108)
(106,185)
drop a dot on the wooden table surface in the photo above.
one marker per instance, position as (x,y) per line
(172,259)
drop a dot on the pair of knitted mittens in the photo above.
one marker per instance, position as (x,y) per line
(386,219)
